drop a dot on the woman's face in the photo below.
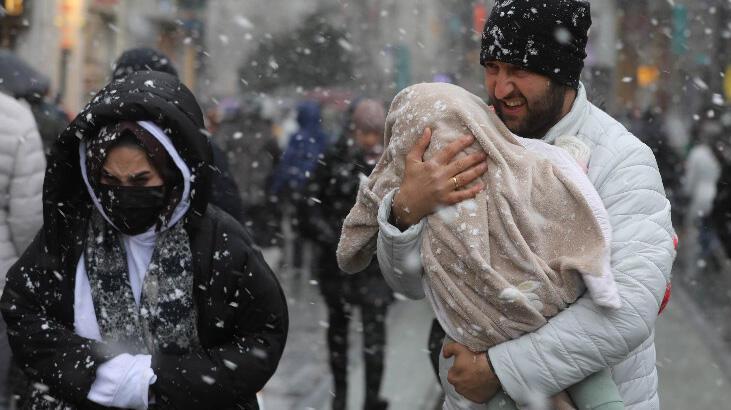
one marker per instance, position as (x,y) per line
(129,166)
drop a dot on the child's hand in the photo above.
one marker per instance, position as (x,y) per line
(471,374)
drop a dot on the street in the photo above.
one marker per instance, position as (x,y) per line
(692,361)
(303,380)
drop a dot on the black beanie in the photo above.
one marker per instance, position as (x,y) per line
(142,59)
(547,37)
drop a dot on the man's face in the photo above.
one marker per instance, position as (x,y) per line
(371,143)
(528,103)
(367,141)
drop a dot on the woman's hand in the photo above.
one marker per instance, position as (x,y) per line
(428,185)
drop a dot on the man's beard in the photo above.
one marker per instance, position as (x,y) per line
(541,114)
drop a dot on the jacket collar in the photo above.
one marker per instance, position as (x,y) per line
(572,122)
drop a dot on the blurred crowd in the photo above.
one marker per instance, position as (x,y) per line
(694,158)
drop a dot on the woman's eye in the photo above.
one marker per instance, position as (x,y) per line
(109,180)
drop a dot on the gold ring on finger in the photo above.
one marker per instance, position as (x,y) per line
(456,183)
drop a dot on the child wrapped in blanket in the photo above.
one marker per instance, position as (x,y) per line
(498,266)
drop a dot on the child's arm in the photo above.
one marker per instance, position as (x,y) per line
(399,253)
(597,391)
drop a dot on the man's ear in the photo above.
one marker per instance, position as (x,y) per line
(569,97)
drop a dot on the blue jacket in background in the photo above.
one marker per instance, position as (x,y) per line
(303,151)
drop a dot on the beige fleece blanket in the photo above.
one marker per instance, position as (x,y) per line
(504,262)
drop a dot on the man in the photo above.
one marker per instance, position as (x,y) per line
(335,185)
(22,167)
(245,136)
(533,54)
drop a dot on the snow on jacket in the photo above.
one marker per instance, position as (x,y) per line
(22,165)
(585,338)
(240,308)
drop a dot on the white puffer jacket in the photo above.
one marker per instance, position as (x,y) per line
(584,338)
(22,168)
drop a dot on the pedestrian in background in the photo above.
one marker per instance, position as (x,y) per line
(332,192)
(23,82)
(649,127)
(252,152)
(22,165)
(304,149)
(721,212)
(703,170)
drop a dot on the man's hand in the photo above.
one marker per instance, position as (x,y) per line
(471,374)
(428,185)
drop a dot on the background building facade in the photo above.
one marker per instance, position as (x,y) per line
(669,54)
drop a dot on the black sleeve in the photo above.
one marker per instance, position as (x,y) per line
(221,376)
(314,211)
(48,351)
(721,212)
(224,191)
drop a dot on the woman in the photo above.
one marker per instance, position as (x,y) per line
(137,293)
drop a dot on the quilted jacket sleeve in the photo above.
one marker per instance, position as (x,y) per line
(22,166)
(25,210)
(399,253)
(585,338)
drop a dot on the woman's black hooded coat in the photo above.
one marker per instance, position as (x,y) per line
(241,310)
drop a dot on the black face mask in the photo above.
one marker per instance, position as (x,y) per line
(133,210)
